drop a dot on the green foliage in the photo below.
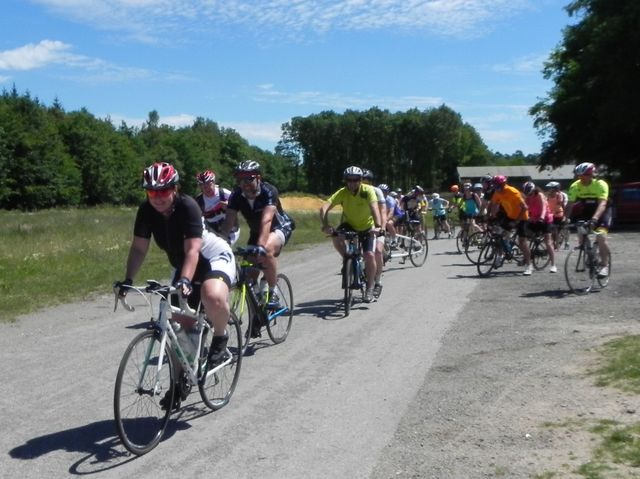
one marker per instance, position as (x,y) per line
(591,112)
(403,149)
(51,158)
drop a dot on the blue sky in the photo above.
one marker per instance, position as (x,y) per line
(253,65)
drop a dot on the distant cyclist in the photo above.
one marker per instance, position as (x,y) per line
(557,201)
(540,218)
(213,201)
(359,213)
(439,208)
(588,201)
(367,179)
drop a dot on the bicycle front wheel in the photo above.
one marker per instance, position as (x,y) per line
(347,280)
(577,272)
(142,382)
(603,282)
(241,307)
(487,258)
(539,254)
(418,249)
(279,321)
(462,238)
(217,384)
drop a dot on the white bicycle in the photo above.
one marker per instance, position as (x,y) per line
(147,382)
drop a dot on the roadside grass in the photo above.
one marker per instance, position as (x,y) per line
(58,256)
(617,449)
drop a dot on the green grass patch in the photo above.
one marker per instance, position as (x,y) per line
(621,364)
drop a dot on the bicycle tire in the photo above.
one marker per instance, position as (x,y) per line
(279,322)
(140,420)
(474,244)
(418,249)
(386,252)
(487,258)
(347,280)
(216,386)
(242,308)
(604,282)
(539,254)
(577,272)
(460,241)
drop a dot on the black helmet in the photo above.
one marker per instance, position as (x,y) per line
(367,174)
(248,168)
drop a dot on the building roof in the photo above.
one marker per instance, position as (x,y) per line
(564,172)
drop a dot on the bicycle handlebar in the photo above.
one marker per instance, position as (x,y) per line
(152,286)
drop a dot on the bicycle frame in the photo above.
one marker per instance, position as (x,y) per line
(160,323)
(586,261)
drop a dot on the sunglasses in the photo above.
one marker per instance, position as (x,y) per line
(160,194)
(353,180)
(246,179)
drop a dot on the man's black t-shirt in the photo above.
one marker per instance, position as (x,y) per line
(252,210)
(170,232)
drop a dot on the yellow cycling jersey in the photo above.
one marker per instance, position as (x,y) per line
(356,208)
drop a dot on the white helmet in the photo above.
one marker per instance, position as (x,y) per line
(435,196)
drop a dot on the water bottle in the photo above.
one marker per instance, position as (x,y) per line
(188,340)
(263,289)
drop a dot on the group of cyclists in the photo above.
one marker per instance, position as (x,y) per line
(197,233)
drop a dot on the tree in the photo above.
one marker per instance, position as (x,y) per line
(591,113)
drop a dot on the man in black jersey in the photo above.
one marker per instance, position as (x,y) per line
(269,227)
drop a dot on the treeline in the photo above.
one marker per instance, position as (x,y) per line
(51,158)
(402,149)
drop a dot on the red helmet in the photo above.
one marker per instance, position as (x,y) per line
(207,176)
(159,176)
(499,180)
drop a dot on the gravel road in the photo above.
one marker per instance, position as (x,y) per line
(447,376)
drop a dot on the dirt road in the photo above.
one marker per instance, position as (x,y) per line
(447,376)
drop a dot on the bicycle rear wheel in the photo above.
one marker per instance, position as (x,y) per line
(279,321)
(418,249)
(487,258)
(539,254)
(217,385)
(577,272)
(474,244)
(140,386)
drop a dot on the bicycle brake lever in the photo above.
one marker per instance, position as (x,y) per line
(122,300)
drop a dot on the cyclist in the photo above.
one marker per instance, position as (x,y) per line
(367,179)
(472,203)
(175,222)
(213,201)
(359,213)
(557,201)
(388,223)
(269,226)
(457,202)
(439,207)
(413,203)
(540,218)
(516,215)
(588,201)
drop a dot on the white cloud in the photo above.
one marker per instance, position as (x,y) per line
(35,55)
(340,101)
(177,121)
(148,20)
(527,64)
(255,132)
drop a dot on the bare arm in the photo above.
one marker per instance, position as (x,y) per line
(192,254)
(265,226)
(137,254)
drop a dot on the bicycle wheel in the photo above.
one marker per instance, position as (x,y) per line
(487,258)
(241,307)
(418,249)
(217,385)
(386,252)
(539,254)
(347,281)
(475,242)
(279,322)
(461,239)
(140,385)
(577,272)
(603,282)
